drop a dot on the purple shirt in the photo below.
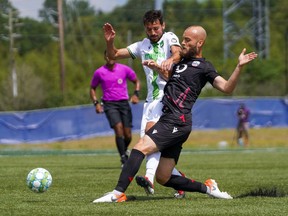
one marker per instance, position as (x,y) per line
(243,114)
(113,82)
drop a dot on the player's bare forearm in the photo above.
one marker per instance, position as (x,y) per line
(165,74)
(176,56)
(109,35)
(173,59)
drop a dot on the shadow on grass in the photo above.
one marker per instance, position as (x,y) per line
(264,192)
(146,198)
(100,168)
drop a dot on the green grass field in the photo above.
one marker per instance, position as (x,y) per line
(255,176)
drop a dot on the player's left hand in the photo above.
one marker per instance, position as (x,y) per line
(166,65)
(151,64)
(134,99)
(99,108)
(246,58)
(165,74)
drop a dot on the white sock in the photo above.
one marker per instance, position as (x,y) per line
(151,165)
(176,172)
(116,192)
(208,190)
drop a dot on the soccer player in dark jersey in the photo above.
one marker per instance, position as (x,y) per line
(185,82)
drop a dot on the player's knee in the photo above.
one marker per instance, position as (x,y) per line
(146,146)
(162,178)
(145,149)
(127,140)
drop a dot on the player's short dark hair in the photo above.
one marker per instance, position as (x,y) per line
(152,16)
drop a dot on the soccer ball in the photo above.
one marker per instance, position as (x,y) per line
(39,180)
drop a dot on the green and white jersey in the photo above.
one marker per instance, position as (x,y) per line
(159,52)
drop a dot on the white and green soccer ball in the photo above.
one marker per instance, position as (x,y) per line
(39,180)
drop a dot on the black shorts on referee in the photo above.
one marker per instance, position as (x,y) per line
(118,111)
(170,132)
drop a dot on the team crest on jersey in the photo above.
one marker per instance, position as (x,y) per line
(181,68)
(174,40)
(120,81)
(195,63)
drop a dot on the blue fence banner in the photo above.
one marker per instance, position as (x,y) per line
(78,122)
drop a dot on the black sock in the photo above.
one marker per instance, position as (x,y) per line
(185,184)
(129,170)
(120,142)
(127,142)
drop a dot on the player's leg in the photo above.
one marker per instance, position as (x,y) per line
(126,116)
(170,153)
(144,119)
(113,115)
(143,147)
(246,133)
(165,177)
(240,134)
(151,114)
(152,159)
(120,142)
(127,139)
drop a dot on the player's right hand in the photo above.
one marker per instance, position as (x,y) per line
(109,32)
(99,108)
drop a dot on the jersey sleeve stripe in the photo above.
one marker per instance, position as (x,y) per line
(131,54)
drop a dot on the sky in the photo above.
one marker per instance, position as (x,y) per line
(30,8)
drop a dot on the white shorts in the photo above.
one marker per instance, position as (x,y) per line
(151,113)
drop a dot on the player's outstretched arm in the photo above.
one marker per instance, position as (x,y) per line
(112,51)
(228,86)
(109,33)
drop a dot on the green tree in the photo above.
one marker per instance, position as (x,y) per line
(38,48)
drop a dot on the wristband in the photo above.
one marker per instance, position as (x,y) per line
(95,102)
(136,93)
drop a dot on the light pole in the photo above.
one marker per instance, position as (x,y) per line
(286,62)
(12,55)
(61,45)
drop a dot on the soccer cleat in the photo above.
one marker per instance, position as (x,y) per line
(146,184)
(128,152)
(111,197)
(124,159)
(180,194)
(214,190)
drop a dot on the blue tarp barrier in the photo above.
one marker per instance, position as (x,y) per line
(221,113)
(49,125)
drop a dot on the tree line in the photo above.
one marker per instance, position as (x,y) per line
(35,52)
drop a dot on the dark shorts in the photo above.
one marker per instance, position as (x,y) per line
(118,111)
(169,134)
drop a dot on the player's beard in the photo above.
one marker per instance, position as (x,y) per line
(155,39)
(190,53)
